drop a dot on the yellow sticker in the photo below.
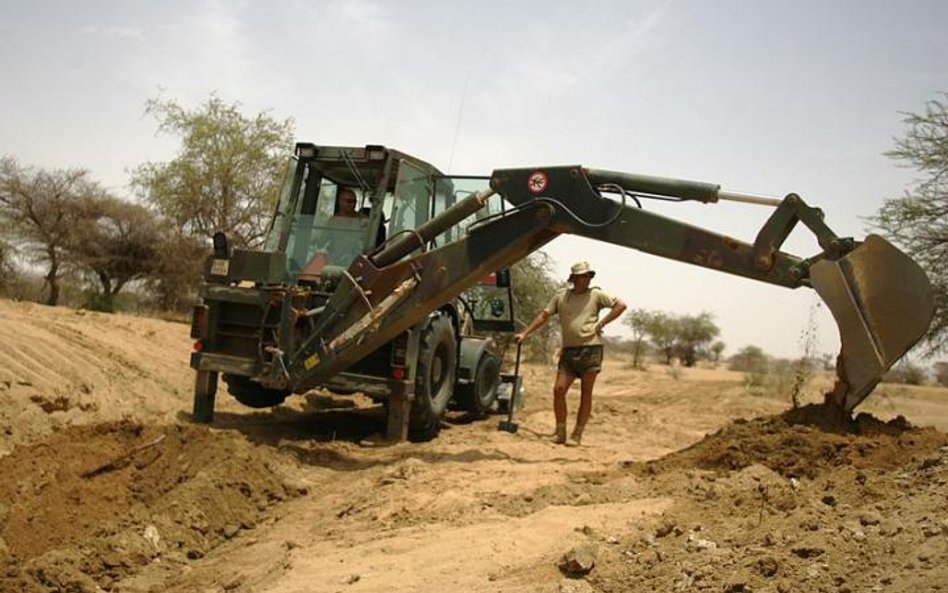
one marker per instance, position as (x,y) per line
(311,362)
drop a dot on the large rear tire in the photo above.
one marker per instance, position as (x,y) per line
(480,394)
(205,388)
(253,394)
(434,378)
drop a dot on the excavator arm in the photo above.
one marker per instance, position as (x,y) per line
(880,298)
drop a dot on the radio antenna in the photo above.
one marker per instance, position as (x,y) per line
(457,124)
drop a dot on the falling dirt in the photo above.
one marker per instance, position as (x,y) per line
(684,482)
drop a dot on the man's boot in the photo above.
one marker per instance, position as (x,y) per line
(577,437)
(560,437)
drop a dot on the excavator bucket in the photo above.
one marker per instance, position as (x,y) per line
(882,302)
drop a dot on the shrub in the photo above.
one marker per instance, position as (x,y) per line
(941,373)
(905,373)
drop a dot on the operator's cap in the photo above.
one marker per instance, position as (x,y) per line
(580,269)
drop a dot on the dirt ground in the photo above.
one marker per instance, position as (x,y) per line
(683,483)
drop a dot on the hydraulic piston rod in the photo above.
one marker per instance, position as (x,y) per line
(401,245)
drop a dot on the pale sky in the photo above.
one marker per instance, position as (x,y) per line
(762,96)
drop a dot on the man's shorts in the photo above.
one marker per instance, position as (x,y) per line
(579,360)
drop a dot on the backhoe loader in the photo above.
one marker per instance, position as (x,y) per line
(398,301)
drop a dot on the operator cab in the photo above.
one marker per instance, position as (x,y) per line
(337,203)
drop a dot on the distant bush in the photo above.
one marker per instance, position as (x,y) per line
(8,273)
(618,346)
(906,373)
(941,373)
(789,377)
(764,374)
(749,359)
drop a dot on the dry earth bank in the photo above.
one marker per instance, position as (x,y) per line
(688,483)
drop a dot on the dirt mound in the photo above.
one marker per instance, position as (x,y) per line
(790,503)
(802,443)
(60,367)
(93,504)
(108,486)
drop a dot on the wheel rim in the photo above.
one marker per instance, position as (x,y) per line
(486,382)
(437,369)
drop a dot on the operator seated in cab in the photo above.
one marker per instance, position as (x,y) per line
(346,204)
(338,238)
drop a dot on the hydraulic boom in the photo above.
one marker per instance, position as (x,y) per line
(880,298)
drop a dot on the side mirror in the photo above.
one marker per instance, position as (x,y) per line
(503,278)
(221,249)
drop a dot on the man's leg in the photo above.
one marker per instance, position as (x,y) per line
(586,384)
(562,384)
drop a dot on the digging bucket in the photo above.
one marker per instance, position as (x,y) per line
(882,302)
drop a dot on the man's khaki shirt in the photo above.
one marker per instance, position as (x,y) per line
(578,315)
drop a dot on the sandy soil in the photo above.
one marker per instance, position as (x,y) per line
(684,483)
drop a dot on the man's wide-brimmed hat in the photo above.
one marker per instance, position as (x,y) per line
(581,269)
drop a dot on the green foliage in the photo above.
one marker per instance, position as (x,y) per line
(941,373)
(40,211)
(92,245)
(173,281)
(754,362)
(715,352)
(785,378)
(638,321)
(533,287)
(661,329)
(748,359)
(8,273)
(688,337)
(906,373)
(764,374)
(95,300)
(117,243)
(918,221)
(226,175)
(695,333)
(624,348)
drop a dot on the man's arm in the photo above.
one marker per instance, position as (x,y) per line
(618,308)
(537,322)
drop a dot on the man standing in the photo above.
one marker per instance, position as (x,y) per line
(581,353)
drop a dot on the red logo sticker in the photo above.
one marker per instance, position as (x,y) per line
(536,183)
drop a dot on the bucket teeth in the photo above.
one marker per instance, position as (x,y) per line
(883,304)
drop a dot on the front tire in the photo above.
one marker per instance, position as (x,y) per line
(435,372)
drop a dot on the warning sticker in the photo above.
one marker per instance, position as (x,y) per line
(220,267)
(536,183)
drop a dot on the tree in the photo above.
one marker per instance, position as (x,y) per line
(177,269)
(41,210)
(686,336)
(754,363)
(694,336)
(227,174)
(715,351)
(662,330)
(918,221)
(118,243)
(748,359)
(941,373)
(906,373)
(639,321)
(8,272)
(533,287)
